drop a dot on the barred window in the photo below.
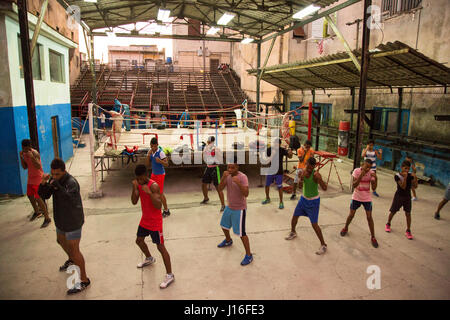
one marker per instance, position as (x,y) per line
(393,7)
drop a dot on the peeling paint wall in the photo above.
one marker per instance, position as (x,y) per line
(52,99)
(426,29)
(57,18)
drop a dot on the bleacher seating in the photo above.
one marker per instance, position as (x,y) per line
(141,88)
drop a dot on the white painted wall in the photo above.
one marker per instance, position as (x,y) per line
(46,92)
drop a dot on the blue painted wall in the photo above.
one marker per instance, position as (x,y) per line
(14,128)
(10,180)
(426,165)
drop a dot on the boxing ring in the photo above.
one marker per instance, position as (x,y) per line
(190,139)
(174,138)
(243,134)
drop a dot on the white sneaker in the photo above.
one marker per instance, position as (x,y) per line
(291,236)
(167,280)
(414,199)
(146,262)
(321,250)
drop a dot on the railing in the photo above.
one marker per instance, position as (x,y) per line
(393,7)
(152,68)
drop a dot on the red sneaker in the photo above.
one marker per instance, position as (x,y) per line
(387,228)
(374,242)
(409,235)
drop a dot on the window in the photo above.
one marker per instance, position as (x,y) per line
(297,114)
(35,61)
(385,120)
(393,7)
(194,27)
(56,66)
(325,114)
(299,33)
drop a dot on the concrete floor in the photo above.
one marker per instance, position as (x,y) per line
(418,269)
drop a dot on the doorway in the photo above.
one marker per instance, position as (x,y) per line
(55,137)
(213,65)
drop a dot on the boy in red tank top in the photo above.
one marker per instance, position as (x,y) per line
(151,222)
(31,161)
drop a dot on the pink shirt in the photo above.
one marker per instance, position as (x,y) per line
(362,191)
(236,200)
(34,175)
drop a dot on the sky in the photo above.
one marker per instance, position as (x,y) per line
(101,43)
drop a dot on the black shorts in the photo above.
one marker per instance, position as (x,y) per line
(210,175)
(157,236)
(400,202)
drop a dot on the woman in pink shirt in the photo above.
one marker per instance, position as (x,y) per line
(31,160)
(363,178)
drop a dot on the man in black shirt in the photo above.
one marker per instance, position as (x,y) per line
(279,153)
(68,215)
(402,197)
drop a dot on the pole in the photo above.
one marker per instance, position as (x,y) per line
(27,72)
(95,193)
(399,114)
(94,79)
(309,120)
(352,92)
(204,66)
(362,84)
(258,78)
(37,29)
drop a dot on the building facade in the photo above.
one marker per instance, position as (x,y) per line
(422,25)
(50,65)
(134,55)
(188,53)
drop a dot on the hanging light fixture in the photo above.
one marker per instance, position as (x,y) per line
(163,15)
(225,19)
(212,31)
(247,40)
(306,12)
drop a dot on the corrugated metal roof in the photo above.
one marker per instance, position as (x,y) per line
(391,65)
(256,18)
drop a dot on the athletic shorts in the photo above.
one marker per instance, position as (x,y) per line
(278,178)
(159,179)
(32,190)
(235,219)
(400,202)
(308,208)
(72,235)
(157,236)
(296,175)
(210,175)
(447,193)
(355,204)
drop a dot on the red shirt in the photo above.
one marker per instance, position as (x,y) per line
(151,217)
(34,175)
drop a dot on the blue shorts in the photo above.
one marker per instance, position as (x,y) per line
(355,204)
(72,235)
(278,178)
(235,219)
(308,208)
